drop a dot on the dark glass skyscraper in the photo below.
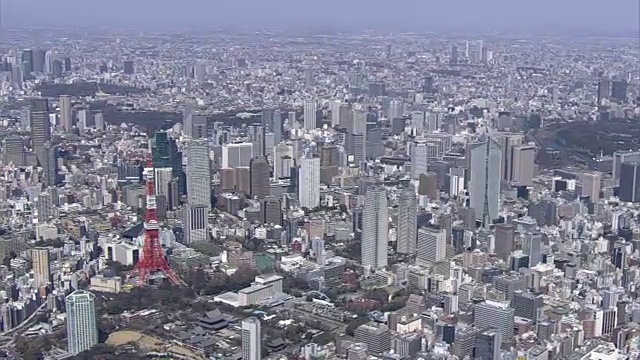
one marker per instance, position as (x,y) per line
(166,154)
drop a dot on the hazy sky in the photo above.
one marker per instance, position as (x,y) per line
(459,15)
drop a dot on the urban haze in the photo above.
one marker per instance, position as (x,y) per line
(352,180)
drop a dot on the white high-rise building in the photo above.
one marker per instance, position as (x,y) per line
(251,339)
(407,222)
(282,160)
(484,159)
(198,173)
(309,183)
(419,158)
(237,155)
(162,178)
(432,246)
(375,228)
(66,116)
(82,329)
(395,109)
(335,112)
(310,109)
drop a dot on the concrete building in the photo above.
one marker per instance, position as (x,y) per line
(41,267)
(432,246)
(407,222)
(484,159)
(251,339)
(309,182)
(82,329)
(237,155)
(198,173)
(375,228)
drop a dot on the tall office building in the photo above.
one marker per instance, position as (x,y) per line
(195,126)
(591,185)
(432,246)
(162,178)
(310,114)
(494,314)
(257,136)
(523,158)
(40,124)
(604,90)
(198,173)
(165,154)
(282,161)
(484,158)
(395,109)
(48,159)
(356,147)
(309,182)
(508,142)
(27,63)
(619,91)
(532,246)
(251,339)
(66,116)
(375,228)
(82,329)
(276,127)
(195,223)
(260,170)
(622,156)
(419,158)
(453,58)
(41,267)
(14,151)
(488,344)
(630,181)
(407,222)
(504,240)
(237,155)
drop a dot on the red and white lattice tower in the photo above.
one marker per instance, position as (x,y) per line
(153,259)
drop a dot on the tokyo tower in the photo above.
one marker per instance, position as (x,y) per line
(153,260)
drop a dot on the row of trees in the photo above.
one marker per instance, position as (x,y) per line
(166,296)
(218,282)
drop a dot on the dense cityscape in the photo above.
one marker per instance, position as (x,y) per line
(269,195)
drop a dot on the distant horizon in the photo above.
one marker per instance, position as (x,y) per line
(575,17)
(309,31)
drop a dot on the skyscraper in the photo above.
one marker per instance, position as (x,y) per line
(282,161)
(41,267)
(419,158)
(14,151)
(237,155)
(309,183)
(375,228)
(604,90)
(630,181)
(251,339)
(407,222)
(310,109)
(198,173)
(623,156)
(166,154)
(591,185)
(48,159)
(504,240)
(532,246)
(195,223)
(260,175)
(40,124)
(484,190)
(523,163)
(432,246)
(356,147)
(619,90)
(66,117)
(82,329)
